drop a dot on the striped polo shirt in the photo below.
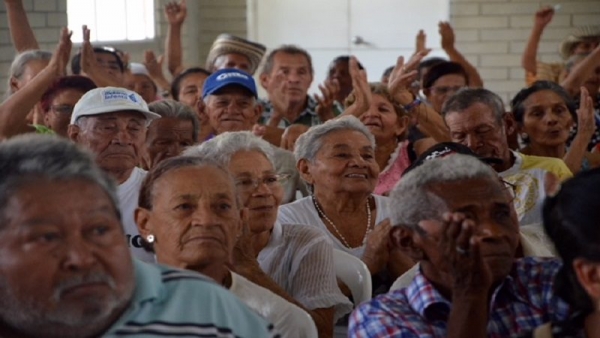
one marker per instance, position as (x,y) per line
(169,302)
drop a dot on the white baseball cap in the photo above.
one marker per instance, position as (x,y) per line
(108,100)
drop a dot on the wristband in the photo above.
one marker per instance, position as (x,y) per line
(413,104)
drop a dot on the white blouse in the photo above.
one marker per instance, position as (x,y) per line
(303,211)
(300,260)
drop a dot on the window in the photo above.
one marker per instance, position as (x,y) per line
(112,20)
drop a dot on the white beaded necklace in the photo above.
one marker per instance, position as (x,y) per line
(322,215)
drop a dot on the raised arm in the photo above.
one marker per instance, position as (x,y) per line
(13,111)
(586,127)
(154,66)
(448,39)
(542,18)
(175,12)
(429,121)
(90,66)
(18,24)
(580,72)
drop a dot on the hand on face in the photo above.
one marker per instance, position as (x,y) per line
(460,254)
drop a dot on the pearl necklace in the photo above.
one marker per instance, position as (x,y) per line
(322,215)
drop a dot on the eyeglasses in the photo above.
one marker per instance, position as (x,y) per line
(441,90)
(271,181)
(63,109)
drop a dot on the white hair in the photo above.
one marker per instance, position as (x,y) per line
(221,148)
(412,198)
(29,156)
(20,62)
(308,144)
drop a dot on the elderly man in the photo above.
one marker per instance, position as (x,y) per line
(202,238)
(61,225)
(456,218)
(230,104)
(230,51)
(476,118)
(112,123)
(287,76)
(168,136)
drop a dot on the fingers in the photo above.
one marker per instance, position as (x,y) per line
(86,34)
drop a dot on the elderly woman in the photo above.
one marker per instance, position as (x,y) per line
(337,160)
(59,100)
(294,261)
(190,216)
(388,122)
(545,115)
(573,227)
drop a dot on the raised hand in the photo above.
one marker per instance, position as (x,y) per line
(421,43)
(175,12)
(447,35)
(153,64)
(62,54)
(543,16)
(361,91)
(88,60)
(402,76)
(586,124)
(377,250)
(329,91)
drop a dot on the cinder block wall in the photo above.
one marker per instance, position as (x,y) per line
(492,34)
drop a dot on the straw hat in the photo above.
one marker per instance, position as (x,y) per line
(226,43)
(580,34)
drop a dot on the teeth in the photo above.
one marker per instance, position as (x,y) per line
(357,175)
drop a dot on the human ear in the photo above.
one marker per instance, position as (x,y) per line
(403,238)
(73,132)
(588,275)
(142,220)
(304,170)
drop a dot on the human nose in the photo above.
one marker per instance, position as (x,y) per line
(78,255)
(472,141)
(122,136)
(204,215)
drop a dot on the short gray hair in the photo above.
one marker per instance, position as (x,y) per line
(224,146)
(309,143)
(17,67)
(467,97)
(412,198)
(33,156)
(176,110)
(285,49)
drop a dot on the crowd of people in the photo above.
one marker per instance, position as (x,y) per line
(136,203)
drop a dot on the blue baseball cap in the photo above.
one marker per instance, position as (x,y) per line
(227,77)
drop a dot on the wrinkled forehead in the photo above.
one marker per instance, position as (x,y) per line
(475,115)
(122,115)
(474,192)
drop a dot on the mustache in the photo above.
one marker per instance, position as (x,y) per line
(80,280)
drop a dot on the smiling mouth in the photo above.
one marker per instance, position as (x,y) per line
(263,208)
(363,176)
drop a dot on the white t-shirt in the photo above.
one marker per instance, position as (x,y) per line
(527,174)
(299,258)
(128,193)
(289,319)
(303,211)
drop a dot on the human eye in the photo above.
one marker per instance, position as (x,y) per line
(458,137)
(245,182)
(224,206)
(185,206)
(501,213)
(367,156)
(342,155)
(269,180)
(483,130)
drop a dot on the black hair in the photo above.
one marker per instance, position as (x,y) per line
(518,109)
(443,69)
(344,58)
(387,72)
(571,221)
(176,84)
(76,60)
(428,63)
